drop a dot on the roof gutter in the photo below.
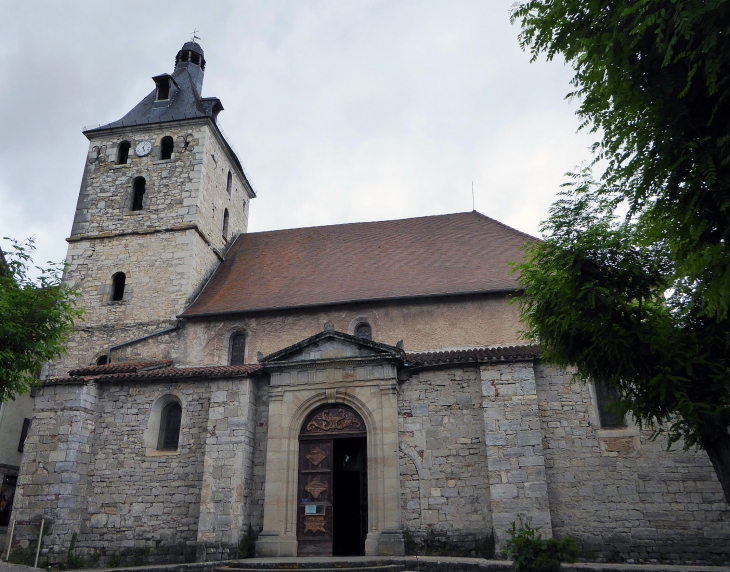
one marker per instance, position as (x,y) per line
(347,302)
(148,336)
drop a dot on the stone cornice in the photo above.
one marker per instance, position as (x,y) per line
(169,229)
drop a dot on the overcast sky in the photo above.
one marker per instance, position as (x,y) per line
(341,111)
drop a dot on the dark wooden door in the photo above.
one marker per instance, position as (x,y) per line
(314,501)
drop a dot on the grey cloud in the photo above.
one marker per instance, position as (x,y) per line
(340,111)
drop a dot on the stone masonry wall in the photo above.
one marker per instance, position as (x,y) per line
(515,456)
(54,474)
(181,190)
(162,271)
(167,250)
(213,197)
(227,487)
(444,482)
(259,457)
(423,326)
(144,503)
(621,495)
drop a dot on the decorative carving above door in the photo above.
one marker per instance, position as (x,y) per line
(337,419)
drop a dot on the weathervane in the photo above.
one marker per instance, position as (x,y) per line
(195,37)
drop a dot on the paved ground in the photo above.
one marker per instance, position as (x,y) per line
(438,563)
(5,567)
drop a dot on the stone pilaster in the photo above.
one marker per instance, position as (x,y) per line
(54,473)
(515,456)
(227,469)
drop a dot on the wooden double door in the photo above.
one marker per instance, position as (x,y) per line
(332,491)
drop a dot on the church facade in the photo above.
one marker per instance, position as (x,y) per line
(324,390)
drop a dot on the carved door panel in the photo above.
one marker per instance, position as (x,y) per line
(314,501)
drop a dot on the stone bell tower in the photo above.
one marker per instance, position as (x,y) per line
(162,196)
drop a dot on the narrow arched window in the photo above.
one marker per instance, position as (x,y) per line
(101,360)
(138,193)
(229,183)
(166,147)
(225,224)
(238,349)
(364,331)
(170,427)
(118,281)
(123,152)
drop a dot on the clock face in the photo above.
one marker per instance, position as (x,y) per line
(143,148)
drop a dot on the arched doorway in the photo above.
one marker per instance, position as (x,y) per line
(332,489)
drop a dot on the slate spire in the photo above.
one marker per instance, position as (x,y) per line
(191,58)
(176,97)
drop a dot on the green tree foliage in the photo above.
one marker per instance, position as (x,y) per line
(36,317)
(641,300)
(653,79)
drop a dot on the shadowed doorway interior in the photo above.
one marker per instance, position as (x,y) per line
(350,497)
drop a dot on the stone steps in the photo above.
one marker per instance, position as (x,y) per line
(311,567)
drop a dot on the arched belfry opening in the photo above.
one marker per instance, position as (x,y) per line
(139,188)
(332,506)
(167,146)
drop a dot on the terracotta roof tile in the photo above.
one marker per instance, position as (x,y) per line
(119,367)
(435,255)
(157,374)
(508,353)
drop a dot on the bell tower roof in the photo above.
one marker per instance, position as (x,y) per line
(176,96)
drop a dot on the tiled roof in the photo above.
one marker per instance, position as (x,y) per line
(161,370)
(428,256)
(509,353)
(119,367)
(154,374)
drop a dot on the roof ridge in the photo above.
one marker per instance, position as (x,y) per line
(364,222)
(508,227)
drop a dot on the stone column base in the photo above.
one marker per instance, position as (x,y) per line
(390,543)
(271,545)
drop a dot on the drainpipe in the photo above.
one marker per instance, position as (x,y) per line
(148,336)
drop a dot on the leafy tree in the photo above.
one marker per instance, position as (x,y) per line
(36,317)
(641,300)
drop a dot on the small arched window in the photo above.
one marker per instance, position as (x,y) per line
(101,360)
(225,224)
(118,281)
(138,193)
(170,419)
(166,147)
(123,152)
(238,349)
(364,331)
(229,183)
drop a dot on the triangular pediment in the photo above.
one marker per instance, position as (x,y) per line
(332,345)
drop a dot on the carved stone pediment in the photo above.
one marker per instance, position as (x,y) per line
(332,345)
